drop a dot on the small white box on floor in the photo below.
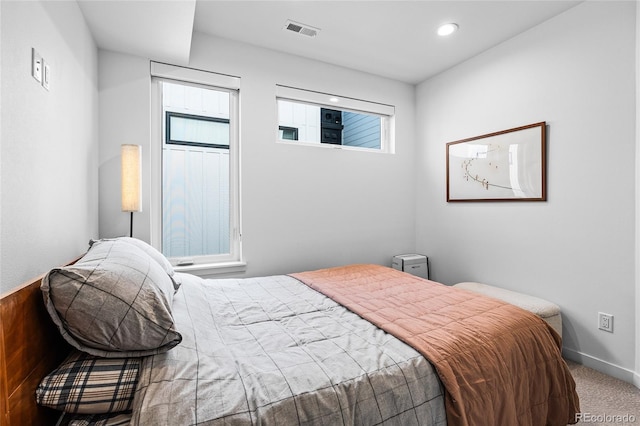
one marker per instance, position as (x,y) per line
(415,264)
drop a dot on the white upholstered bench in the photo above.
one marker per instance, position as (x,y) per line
(548,311)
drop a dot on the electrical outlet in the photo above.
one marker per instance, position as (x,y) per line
(605,322)
(36,65)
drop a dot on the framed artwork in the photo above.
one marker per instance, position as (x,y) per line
(503,166)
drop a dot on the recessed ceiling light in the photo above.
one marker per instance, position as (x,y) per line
(447,29)
(334,99)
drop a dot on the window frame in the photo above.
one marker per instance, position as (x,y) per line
(293,130)
(167,128)
(342,103)
(207,264)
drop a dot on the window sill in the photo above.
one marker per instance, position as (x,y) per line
(332,146)
(212,269)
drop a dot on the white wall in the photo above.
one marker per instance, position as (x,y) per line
(1,49)
(49,143)
(302,207)
(125,110)
(577,73)
(637,260)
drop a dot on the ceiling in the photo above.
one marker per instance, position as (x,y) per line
(395,39)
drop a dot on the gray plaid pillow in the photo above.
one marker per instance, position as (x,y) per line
(114,302)
(148,249)
(91,385)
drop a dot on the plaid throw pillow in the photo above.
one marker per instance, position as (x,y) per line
(149,250)
(87,384)
(114,302)
(101,420)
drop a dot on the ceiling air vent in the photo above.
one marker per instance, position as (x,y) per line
(303,29)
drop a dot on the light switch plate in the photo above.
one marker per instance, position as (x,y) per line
(36,65)
(46,75)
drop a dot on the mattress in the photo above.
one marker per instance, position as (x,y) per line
(270,350)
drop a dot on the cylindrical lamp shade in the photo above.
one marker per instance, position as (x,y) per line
(131,178)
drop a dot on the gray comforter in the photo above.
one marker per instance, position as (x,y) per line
(272,351)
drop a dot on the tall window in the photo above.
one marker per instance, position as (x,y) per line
(199,223)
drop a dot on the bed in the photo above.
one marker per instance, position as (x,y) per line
(317,347)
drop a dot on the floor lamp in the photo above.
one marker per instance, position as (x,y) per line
(131,173)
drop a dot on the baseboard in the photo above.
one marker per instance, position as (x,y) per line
(602,366)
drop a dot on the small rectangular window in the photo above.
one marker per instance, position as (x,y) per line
(288,133)
(321,119)
(197,130)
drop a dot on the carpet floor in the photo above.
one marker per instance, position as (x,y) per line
(605,400)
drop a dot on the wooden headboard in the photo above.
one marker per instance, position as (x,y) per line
(30,347)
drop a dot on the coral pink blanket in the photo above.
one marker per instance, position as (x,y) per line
(500,365)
